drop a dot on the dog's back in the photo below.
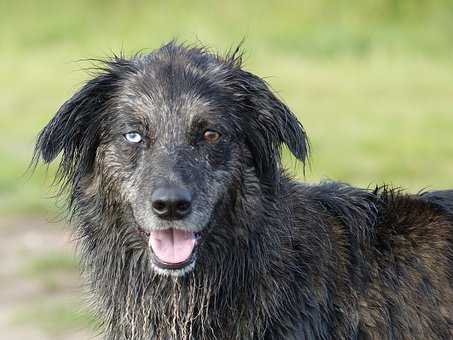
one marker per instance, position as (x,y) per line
(394,256)
(442,198)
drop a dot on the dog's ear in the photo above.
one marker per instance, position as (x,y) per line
(74,130)
(270,125)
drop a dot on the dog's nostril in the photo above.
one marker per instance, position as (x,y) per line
(159,206)
(182,206)
(171,202)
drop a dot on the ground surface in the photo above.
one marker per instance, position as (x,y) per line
(40,289)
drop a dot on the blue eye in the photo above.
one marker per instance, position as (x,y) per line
(133,137)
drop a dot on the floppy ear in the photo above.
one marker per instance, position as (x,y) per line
(270,124)
(74,130)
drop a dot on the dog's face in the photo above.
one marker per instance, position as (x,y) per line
(168,137)
(173,153)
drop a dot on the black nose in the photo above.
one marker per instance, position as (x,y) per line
(171,202)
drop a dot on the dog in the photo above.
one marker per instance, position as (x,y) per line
(189,227)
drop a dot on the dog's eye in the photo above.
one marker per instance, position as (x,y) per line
(211,136)
(133,137)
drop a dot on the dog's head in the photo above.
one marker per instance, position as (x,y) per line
(168,137)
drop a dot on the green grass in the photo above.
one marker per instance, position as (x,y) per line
(58,307)
(50,264)
(372,83)
(56,317)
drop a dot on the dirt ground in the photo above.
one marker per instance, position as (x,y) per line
(22,241)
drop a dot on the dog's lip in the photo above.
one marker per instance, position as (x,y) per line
(143,231)
(173,266)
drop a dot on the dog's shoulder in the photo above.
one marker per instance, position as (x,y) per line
(414,223)
(337,205)
(382,213)
(442,199)
(417,210)
(380,203)
(340,200)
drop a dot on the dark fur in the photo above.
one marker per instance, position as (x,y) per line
(279,259)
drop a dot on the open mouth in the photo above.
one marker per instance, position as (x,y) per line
(172,248)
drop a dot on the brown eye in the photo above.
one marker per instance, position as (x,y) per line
(211,136)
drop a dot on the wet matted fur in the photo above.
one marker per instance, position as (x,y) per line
(274,258)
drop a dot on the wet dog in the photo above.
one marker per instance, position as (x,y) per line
(189,227)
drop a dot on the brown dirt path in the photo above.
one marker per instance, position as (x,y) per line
(21,241)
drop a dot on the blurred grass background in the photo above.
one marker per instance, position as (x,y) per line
(372,82)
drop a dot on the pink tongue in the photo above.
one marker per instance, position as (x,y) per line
(172,245)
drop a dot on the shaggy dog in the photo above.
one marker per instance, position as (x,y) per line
(189,228)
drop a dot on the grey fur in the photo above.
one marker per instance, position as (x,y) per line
(278,259)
